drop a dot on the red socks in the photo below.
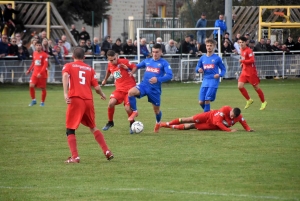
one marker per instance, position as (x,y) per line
(101,141)
(44,93)
(32,92)
(244,93)
(110,112)
(73,145)
(178,127)
(174,122)
(261,95)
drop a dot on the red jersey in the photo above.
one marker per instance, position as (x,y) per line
(218,116)
(81,78)
(248,62)
(39,64)
(123,80)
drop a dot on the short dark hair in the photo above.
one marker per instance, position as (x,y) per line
(38,42)
(157,46)
(110,53)
(236,112)
(243,38)
(78,53)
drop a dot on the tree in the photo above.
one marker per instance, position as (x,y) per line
(74,10)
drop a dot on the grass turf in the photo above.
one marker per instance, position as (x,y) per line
(171,165)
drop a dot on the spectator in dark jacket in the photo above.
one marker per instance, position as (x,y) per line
(185,47)
(13,47)
(260,46)
(117,47)
(128,47)
(290,43)
(84,34)
(106,44)
(13,24)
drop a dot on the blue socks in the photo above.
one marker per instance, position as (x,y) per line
(132,101)
(158,117)
(206,107)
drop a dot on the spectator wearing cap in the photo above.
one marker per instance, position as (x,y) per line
(201,34)
(252,45)
(220,23)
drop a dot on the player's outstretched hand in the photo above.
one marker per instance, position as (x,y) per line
(216,76)
(251,130)
(27,72)
(103,82)
(233,130)
(200,70)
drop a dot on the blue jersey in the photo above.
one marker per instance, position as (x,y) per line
(160,69)
(211,66)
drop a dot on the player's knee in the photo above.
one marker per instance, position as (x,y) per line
(70,131)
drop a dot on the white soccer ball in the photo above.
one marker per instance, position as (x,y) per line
(137,127)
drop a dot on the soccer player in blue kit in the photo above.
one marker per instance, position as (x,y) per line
(209,65)
(158,70)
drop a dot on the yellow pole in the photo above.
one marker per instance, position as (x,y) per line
(269,32)
(259,23)
(48,20)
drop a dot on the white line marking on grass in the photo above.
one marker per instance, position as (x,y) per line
(166,191)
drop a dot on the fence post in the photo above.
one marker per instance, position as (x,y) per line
(283,66)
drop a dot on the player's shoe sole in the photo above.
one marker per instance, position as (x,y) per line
(263,105)
(133,115)
(248,103)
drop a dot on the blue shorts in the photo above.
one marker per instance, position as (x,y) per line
(153,95)
(207,93)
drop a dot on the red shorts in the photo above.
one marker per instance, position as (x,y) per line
(80,111)
(38,82)
(120,96)
(253,79)
(201,122)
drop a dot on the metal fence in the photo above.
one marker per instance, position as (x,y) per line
(269,65)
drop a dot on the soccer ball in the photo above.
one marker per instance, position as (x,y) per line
(137,127)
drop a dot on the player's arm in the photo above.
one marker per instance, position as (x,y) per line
(140,65)
(65,81)
(199,67)
(222,67)
(30,68)
(244,124)
(100,92)
(108,73)
(45,62)
(250,58)
(168,73)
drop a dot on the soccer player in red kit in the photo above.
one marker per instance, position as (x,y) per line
(122,71)
(221,119)
(249,74)
(78,78)
(39,76)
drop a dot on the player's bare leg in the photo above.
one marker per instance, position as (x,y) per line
(201,103)
(261,97)
(177,122)
(158,115)
(32,94)
(244,92)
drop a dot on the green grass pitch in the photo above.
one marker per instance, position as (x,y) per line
(171,165)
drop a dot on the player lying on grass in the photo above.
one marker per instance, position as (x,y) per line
(221,119)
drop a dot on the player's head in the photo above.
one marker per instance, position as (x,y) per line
(112,56)
(210,45)
(38,46)
(78,53)
(156,51)
(235,112)
(242,42)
